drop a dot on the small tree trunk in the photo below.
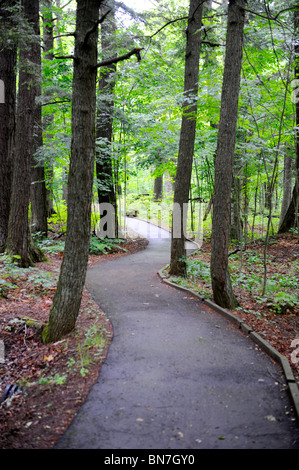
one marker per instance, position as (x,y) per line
(255,203)
(38,192)
(39,213)
(158,188)
(236,227)
(67,299)
(245,205)
(48,40)
(221,283)
(187,137)
(158,184)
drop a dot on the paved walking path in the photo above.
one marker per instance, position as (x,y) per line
(177,375)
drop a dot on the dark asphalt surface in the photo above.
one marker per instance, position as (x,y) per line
(177,375)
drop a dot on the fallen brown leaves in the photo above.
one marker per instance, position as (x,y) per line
(55,378)
(54,386)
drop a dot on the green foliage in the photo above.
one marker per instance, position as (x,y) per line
(94,339)
(58,220)
(147,111)
(198,270)
(57,379)
(148,96)
(42,279)
(10,273)
(51,246)
(100,246)
(284,301)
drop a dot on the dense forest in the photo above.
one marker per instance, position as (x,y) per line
(180,107)
(182,113)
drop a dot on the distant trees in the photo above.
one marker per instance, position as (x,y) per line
(160,116)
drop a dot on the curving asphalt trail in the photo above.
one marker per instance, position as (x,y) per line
(177,375)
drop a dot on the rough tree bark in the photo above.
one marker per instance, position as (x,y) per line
(67,299)
(224,158)
(187,138)
(8,61)
(19,241)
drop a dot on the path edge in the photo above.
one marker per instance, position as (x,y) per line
(267,347)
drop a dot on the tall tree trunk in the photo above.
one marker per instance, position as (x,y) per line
(48,40)
(67,299)
(8,62)
(291,215)
(104,128)
(38,194)
(187,138)
(19,242)
(224,159)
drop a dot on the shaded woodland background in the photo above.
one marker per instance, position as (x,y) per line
(98,109)
(96,106)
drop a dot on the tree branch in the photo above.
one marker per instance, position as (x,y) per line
(212,44)
(285,9)
(65,35)
(55,102)
(135,51)
(93,29)
(70,1)
(270,17)
(166,24)
(64,57)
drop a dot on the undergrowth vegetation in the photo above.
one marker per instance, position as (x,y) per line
(247,270)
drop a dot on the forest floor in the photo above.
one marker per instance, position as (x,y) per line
(55,379)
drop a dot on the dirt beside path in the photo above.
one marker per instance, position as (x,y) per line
(54,379)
